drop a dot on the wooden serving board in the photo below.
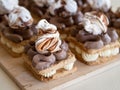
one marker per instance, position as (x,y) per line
(15,68)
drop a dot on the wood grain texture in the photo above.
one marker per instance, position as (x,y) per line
(15,68)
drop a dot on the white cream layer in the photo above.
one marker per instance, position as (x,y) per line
(51,73)
(16,49)
(94,57)
(69,66)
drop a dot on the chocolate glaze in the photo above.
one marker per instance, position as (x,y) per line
(43,61)
(18,35)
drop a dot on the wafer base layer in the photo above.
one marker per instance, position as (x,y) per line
(78,48)
(97,62)
(60,71)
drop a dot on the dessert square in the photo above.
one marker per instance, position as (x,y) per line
(18,30)
(65,14)
(93,43)
(49,57)
(5,8)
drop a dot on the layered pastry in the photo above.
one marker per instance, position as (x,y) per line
(19,31)
(65,14)
(101,6)
(49,57)
(93,42)
(6,6)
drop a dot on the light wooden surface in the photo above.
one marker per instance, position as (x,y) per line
(6,83)
(95,83)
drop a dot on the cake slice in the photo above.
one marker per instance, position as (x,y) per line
(49,57)
(19,31)
(94,43)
